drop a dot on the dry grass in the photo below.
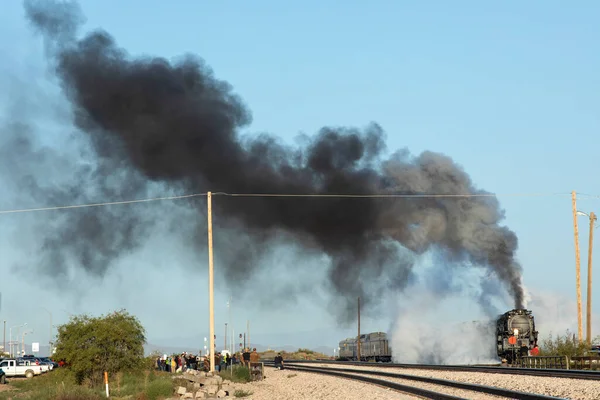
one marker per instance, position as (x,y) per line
(60,385)
(301,354)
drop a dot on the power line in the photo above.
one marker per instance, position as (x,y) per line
(375,195)
(418,195)
(111,203)
(593,196)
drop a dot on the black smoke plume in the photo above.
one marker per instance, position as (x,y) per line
(149,120)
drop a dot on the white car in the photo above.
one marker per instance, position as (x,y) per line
(13,367)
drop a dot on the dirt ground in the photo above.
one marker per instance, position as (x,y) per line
(7,387)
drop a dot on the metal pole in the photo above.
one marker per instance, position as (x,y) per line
(50,338)
(589,283)
(211,298)
(11,344)
(358,343)
(225,338)
(4,338)
(51,344)
(232,338)
(577,268)
(248,326)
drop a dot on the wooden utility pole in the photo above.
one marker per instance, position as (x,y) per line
(211,278)
(577,268)
(358,342)
(588,317)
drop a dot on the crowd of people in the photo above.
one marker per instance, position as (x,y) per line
(187,361)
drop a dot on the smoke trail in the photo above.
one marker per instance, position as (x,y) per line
(176,124)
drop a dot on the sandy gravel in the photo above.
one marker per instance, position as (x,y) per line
(303,385)
(465,394)
(573,389)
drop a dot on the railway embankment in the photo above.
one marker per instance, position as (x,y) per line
(568,388)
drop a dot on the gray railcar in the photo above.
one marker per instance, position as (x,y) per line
(373,347)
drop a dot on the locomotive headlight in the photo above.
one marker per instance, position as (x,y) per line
(516,331)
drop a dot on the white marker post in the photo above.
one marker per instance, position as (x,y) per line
(106,382)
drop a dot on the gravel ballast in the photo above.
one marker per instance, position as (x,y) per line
(574,389)
(465,394)
(296,385)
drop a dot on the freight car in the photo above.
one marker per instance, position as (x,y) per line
(515,334)
(373,347)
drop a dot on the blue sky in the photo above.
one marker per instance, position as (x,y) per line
(509,90)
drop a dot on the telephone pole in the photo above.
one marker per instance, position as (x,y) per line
(211,278)
(588,327)
(577,268)
(358,343)
(231,325)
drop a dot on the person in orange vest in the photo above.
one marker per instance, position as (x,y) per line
(535,351)
(254,357)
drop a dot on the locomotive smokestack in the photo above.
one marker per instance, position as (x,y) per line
(152,122)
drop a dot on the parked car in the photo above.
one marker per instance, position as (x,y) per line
(14,367)
(49,362)
(39,361)
(35,361)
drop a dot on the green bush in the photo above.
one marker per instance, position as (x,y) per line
(241,393)
(159,389)
(307,351)
(564,345)
(240,374)
(78,394)
(61,385)
(92,345)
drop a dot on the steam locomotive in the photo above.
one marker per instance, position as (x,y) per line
(515,334)
(373,347)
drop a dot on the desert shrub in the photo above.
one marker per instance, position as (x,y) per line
(92,345)
(563,345)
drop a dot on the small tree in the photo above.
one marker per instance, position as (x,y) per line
(566,345)
(92,345)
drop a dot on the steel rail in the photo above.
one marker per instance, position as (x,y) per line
(547,372)
(424,393)
(358,374)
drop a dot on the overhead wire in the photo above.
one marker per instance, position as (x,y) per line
(108,203)
(315,195)
(392,195)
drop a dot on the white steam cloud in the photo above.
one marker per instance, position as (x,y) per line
(445,327)
(448,317)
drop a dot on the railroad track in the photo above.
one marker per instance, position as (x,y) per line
(363,375)
(553,373)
